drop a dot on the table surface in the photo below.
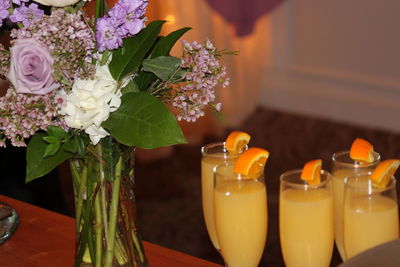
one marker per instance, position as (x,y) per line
(45,238)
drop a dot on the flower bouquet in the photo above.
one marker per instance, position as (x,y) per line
(89,89)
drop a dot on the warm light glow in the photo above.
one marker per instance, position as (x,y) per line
(170,19)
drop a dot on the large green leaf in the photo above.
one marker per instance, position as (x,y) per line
(162,48)
(165,44)
(163,67)
(38,166)
(142,120)
(131,87)
(128,58)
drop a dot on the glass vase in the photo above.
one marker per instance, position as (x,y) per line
(105,210)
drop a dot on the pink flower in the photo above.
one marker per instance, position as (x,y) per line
(31,68)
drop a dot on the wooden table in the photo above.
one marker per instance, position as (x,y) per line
(46,239)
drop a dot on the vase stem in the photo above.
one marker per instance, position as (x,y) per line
(113,213)
(98,231)
(81,193)
(103,193)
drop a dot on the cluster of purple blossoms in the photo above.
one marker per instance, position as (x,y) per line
(4,6)
(203,74)
(125,19)
(21,115)
(27,15)
(70,40)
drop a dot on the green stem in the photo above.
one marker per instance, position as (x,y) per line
(113,214)
(137,245)
(80,195)
(75,176)
(120,253)
(102,191)
(98,231)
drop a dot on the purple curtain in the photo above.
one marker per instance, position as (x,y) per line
(242,14)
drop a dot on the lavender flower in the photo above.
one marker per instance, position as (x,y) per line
(4,6)
(108,36)
(27,15)
(203,74)
(123,20)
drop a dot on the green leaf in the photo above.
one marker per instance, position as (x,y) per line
(51,149)
(51,139)
(165,44)
(71,145)
(163,67)
(128,58)
(38,166)
(57,131)
(131,87)
(162,48)
(142,120)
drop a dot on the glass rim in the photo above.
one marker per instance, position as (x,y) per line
(224,150)
(304,184)
(354,163)
(236,176)
(350,179)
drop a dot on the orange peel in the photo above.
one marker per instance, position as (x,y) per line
(361,150)
(251,162)
(236,142)
(382,173)
(311,172)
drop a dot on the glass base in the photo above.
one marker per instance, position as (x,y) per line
(9,221)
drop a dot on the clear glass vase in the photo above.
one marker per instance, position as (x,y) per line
(105,209)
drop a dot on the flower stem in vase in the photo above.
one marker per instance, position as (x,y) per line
(113,214)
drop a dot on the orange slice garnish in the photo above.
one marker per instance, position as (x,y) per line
(311,172)
(251,162)
(236,142)
(382,173)
(362,150)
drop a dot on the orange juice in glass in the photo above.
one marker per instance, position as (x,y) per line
(370,214)
(213,154)
(306,220)
(240,216)
(342,167)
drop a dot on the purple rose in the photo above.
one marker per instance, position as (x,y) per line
(31,68)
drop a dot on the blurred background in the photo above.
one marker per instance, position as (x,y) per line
(310,77)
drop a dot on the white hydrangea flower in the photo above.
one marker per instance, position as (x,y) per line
(90,102)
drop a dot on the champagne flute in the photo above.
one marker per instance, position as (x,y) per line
(306,220)
(342,167)
(370,214)
(240,216)
(213,154)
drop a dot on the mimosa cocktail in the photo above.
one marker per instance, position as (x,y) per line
(240,216)
(342,167)
(212,155)
(306,220)
(370,214)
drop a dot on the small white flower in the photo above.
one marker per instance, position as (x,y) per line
(57,3)
(90,103)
